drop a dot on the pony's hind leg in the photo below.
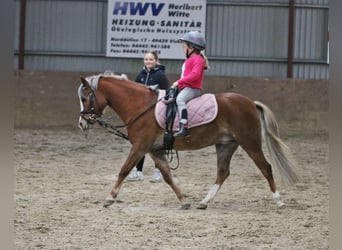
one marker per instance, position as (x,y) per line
(160,161)
(266,169)
(224,154)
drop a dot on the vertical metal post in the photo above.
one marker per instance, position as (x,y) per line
(290,39)
(22,34)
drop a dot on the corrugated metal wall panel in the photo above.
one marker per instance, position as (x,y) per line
(94,64)
(245,38)
(247,31)
(16,25)
(267,2)
(261,69)
(313,2)
(247,2)
(311,34)
(74,26)
(314,71)
(99,64)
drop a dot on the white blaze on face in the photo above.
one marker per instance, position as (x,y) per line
(82,124)
(79,96)
(81,103)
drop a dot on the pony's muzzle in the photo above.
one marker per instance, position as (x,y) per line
(83,124)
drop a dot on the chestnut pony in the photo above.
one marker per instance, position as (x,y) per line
(239,122)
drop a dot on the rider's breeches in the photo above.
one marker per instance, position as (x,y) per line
(183,97)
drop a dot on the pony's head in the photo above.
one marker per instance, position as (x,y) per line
(91,104)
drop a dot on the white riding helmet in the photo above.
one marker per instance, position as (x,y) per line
(195,39)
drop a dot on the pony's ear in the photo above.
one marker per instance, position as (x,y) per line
(84,82)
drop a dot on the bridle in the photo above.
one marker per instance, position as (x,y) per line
(93,115)
(96,117)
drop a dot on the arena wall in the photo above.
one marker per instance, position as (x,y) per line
(45,99)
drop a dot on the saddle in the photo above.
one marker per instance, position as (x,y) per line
(201,110)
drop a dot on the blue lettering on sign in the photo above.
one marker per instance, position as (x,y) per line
(136,8)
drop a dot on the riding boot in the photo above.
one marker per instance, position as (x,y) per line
(183,125)
(183,130)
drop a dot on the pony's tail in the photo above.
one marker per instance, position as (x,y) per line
(280,154)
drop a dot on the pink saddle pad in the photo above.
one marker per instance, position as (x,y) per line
(201,110)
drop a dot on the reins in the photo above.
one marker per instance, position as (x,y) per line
(110,128)
(106,125)
(139,115)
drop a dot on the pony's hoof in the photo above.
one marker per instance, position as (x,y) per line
(202,206)
(108,203)
(185,206)
(280,204)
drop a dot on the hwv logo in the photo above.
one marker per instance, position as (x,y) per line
(136,8)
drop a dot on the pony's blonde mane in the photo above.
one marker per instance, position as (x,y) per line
(94,79)
(108,73)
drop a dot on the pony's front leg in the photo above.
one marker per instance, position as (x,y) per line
(113,193)
(161,163)
(130,162)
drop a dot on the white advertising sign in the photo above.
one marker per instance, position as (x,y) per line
(134,27)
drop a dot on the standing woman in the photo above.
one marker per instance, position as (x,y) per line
(152,73)
(191,81)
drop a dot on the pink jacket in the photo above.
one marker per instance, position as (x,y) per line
(193,73)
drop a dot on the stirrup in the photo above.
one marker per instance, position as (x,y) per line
(182,132)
